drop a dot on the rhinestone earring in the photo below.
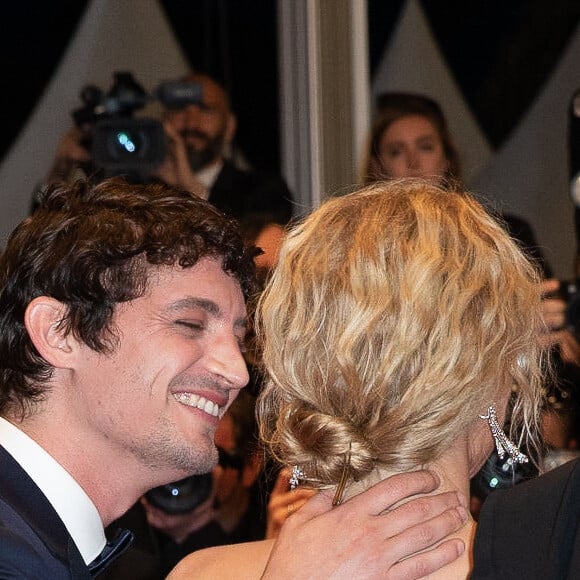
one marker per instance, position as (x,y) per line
(502,443)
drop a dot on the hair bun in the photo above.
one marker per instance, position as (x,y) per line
(321,443)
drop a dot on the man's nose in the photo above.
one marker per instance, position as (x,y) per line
(226,361)
(192,115)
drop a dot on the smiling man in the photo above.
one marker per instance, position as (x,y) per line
(122,324)
(125,318)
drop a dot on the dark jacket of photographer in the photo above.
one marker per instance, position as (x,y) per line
(239,193)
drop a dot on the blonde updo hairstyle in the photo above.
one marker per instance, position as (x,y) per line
(396,316)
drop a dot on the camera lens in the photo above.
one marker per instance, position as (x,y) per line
(182,496)
(121,145)
(126,144)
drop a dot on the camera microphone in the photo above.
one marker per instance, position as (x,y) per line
(179,94)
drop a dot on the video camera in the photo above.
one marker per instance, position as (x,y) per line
(120,144)
(569,291)
(183,496)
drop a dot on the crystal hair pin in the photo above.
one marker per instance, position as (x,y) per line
(295,477)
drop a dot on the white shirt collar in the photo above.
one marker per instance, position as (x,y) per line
(78,513)
(209,175)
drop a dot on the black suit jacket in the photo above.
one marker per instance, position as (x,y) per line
(34,542)
(241,193)
(531,531)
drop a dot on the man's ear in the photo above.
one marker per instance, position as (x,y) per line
(43,320)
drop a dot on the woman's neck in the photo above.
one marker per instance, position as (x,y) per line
(452,468)
(453,472)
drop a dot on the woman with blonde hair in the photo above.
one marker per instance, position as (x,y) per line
(399,330)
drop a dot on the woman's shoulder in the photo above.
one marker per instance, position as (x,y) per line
(247,561)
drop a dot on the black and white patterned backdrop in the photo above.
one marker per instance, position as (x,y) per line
(504,71)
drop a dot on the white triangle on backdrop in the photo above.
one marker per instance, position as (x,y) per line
(413,62)
(528,176)
(131,35)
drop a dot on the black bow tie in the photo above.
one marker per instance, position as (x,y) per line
(112,550)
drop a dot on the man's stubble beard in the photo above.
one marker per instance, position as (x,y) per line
(165,449)
(201,158)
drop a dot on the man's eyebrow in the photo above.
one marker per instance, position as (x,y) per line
(206,305)
(195,302)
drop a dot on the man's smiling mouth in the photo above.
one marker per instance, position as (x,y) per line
(199,402)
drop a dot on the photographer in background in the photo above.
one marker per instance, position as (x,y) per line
(562,316)
(198,136)
(555,307)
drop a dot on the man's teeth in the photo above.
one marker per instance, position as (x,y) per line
(198,402)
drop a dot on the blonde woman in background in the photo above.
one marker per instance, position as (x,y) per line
(397,325)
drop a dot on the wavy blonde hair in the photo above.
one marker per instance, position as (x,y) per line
(396,315)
